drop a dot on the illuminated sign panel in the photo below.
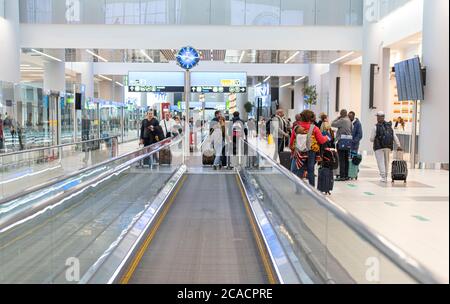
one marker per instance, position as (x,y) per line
(215,82)
(156,82)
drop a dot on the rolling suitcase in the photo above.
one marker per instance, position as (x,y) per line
(353,170)
(399,168)
(165,157)
(285,159)
(326,180)
(208,157)
(353,165)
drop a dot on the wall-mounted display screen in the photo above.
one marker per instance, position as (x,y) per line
(408,74)
(156,82)
(217,82)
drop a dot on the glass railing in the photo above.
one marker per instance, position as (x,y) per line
(57,233)
(325,244)
(23,170)
(193,12)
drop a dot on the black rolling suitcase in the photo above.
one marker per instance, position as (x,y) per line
(165,157)
(326,180)
(208,157)
(285,159)
(399,168)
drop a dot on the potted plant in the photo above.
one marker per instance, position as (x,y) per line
(248,106)
(310,95)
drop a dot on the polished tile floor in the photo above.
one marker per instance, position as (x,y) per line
(414,216)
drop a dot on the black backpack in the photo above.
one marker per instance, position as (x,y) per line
(330,159)
(385,134)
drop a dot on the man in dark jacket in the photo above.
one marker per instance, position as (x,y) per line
(357,132)
(151,133)
(149,130)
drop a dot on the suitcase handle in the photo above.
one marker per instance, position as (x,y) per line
(398,155)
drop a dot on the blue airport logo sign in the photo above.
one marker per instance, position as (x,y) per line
(188,57)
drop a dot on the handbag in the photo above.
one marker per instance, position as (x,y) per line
(345,142)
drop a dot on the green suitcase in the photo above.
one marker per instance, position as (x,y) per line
(353,170)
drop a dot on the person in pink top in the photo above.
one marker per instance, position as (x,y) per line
(302,161)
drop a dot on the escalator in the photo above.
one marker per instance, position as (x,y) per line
(205,236)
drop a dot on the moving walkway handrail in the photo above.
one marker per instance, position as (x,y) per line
(139,153)
(56,146)
(396,255)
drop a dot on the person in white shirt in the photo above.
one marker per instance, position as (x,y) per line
(167,125)
(383,137)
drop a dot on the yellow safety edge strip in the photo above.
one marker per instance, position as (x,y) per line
(126,278)
(259,241)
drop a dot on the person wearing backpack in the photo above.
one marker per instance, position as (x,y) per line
(383,138)
(279,131)
(305,142)
(238,130)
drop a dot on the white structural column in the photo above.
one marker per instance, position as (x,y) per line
(433,146)
(371,55)
(316,71)
(118,92)
(105,90)
(331,109)
(10,43)
(87,78)
(285,93)
(298,96)
(54,72)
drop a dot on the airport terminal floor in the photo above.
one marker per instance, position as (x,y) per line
(253,145)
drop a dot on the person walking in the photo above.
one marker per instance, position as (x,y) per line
(344,143)
(357,132)
(304,153)
(218,141)
(2,138)
(238,131)
(383,137)
(149,133)
(167,125)
(279,132)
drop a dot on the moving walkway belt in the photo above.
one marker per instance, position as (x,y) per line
(205,234)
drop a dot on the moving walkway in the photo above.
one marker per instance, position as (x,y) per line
(121,222)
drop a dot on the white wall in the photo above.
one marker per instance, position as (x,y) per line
(315,73)
(433,139)
(9,43)
(327,38)
(116,68)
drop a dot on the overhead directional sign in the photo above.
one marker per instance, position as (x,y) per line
(156,82)
(217,82)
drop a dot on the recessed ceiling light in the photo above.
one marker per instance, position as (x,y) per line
(286,85)
(265,80)
(144,53)
(97,56)
(104,77)
(242,56)
(300,79)
(118,83)
(292,57)
(46,55)
(341,58)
